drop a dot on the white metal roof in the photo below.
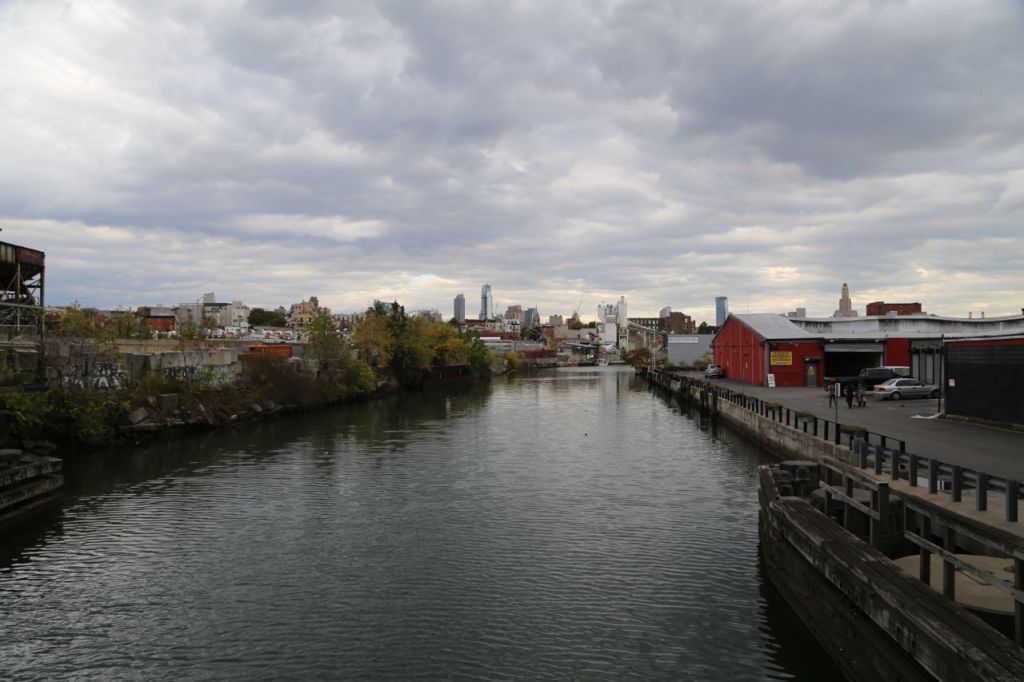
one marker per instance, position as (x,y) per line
(771,326)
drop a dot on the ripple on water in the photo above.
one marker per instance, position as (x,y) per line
(561,527)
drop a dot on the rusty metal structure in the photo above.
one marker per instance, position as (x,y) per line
(22,288)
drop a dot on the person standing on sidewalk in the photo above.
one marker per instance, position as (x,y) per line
(849,396)
(832,393)
(858,397)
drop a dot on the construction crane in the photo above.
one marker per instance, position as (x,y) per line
(576,313)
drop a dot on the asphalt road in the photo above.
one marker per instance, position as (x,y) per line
(997,452)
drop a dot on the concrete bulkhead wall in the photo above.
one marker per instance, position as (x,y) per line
(783,441)
(875,621)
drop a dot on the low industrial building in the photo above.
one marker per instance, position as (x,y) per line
(686,350)
(800,352)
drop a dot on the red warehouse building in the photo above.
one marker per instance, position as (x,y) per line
(749,347)
(802,351)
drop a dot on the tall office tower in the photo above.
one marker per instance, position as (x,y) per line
(665,312)
(486,303)
(531,318)
(721,310)
(845,305)
(460,309)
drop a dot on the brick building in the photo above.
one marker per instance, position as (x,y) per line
(883,308)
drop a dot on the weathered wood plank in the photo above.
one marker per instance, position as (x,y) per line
(945,639)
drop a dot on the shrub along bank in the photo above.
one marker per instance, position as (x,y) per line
(390,350)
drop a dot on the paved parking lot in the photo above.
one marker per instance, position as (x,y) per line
(996,451)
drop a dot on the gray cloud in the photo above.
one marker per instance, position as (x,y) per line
(667,151)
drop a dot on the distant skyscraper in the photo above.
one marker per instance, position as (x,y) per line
(721,310)
(845,305)
(460,308)
(486,303)
(665,312)
(531,318)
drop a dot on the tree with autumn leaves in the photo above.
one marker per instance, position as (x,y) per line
(406,346)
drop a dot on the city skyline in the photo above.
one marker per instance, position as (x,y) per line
(579,151)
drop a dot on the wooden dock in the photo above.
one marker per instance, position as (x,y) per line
(833,521)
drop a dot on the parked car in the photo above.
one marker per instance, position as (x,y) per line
(897,389)
(714,371)
(870,377)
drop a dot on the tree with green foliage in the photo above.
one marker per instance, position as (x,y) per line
(258,317)
(335,363)
(126,325)
(323,342)
(641,357)
(406,346)
(706,328)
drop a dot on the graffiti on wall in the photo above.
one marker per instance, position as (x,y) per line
(105,375)
(183,374)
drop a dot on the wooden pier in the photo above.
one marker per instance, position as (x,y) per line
(833,522)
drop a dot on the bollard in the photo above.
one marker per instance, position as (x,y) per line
(958,483)
(933,476)
(982,498)
(1018,608)
(895,468)
(912,470)
(1011,500)
(879,528)
(926,556)
(879,459)
(948,569)
(815,427)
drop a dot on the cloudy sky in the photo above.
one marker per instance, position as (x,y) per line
(560,150)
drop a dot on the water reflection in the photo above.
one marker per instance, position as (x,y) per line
(550,526)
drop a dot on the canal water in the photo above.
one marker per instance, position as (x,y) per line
(568,525)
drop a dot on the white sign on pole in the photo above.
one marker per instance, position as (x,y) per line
(771,381)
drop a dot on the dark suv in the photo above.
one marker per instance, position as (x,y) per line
(872,376)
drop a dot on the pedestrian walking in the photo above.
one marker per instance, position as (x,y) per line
(832,394)
(858,397)
(849,396)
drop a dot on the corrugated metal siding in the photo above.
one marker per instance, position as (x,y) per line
(989,382)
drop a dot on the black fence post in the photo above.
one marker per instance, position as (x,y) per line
(933,476)
(982,491)
(912,470)
(1011,500)
(958,482)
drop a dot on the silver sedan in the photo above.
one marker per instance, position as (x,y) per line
(897,389)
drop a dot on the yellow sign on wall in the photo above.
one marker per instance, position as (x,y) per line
(781,357)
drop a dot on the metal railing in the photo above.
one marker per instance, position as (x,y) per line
(881,449)
(885,456)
